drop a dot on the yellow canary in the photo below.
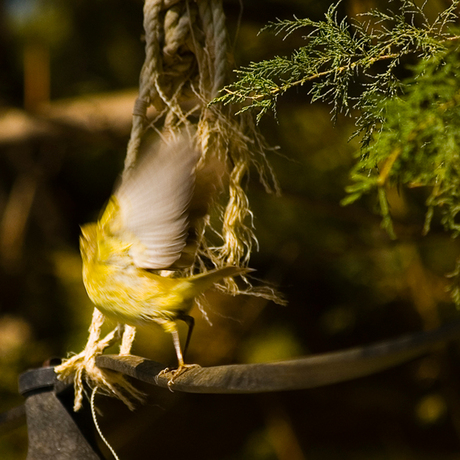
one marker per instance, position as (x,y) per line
(146,227)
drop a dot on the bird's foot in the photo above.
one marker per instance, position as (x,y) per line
(174,373)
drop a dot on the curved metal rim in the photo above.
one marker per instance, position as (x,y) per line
(302,373)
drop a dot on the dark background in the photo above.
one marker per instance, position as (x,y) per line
(346,281)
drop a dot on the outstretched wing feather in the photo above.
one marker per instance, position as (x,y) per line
(154,198)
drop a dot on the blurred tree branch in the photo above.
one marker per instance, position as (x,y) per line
(95,114)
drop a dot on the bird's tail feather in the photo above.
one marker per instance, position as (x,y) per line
(204,281)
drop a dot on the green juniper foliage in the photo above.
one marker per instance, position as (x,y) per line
(409,127)
(337,53)
(418,141)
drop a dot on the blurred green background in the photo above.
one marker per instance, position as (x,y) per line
(346,282)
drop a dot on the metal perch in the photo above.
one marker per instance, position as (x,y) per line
(296,374)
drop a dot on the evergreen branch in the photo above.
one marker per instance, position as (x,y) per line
(337,53)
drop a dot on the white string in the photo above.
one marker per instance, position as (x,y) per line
(96,424)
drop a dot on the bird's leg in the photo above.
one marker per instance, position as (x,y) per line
(190,321)
(182,367)
(180,357)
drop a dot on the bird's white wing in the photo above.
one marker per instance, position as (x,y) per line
(154,197)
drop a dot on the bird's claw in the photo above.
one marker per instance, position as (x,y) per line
(174,373)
